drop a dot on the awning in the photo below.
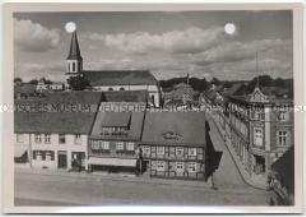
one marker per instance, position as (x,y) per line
(18,151)
(112,161)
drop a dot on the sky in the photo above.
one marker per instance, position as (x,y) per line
(169,44)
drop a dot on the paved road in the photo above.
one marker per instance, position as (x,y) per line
(227,174)
(73,190)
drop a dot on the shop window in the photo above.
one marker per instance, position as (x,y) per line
(62,139)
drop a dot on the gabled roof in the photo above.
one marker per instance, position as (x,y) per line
(120,77)
(174,128)
(45,117)
(135,127)
(53,122)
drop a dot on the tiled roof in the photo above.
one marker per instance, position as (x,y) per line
(45,117)
(174,128)
(120,77)
(53,122)
(136,123)
(25,88)
(126,96)
(116,119)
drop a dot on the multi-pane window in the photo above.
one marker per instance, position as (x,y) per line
(146,150)
(104,145)
(37,138)
(192,151)
(160,165)
(179,152)
(20,138)
(77,139)
(283,137)
(192,167)
(95,144)
(130,146)
(61,138)
(160,150)
(179,166)
(119,146)
(283,116)
(258,137)
(47,138)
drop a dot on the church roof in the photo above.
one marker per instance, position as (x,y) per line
(74,53)
(120,77)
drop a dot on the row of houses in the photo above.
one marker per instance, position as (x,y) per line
(257,125)
(86,136)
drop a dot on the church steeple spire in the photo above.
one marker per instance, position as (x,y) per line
(74,59)
(74,53)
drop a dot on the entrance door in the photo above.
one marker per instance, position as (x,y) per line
(62,160)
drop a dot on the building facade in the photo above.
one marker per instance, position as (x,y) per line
(52,132)
(260,128)
(174,144)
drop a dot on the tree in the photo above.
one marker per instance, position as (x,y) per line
(78,82)
(33,81)
(215,81)
(17,81)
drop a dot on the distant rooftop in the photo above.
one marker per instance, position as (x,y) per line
(119,77)
(126,96)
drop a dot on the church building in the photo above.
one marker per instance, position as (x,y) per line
(111,80)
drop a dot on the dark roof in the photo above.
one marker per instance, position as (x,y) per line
(116,119)
(53,122)
(284,167)
(120,77)
(74,52)
(81,97)
(135,128)
(174,128)
(25,88)
(126,96)
(44,118)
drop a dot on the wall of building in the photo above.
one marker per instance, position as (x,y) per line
(69,147)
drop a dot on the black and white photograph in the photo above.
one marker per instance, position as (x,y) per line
(190,108)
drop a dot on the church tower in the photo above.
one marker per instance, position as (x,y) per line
(74,61)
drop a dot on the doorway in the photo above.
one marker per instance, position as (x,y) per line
(62,159)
